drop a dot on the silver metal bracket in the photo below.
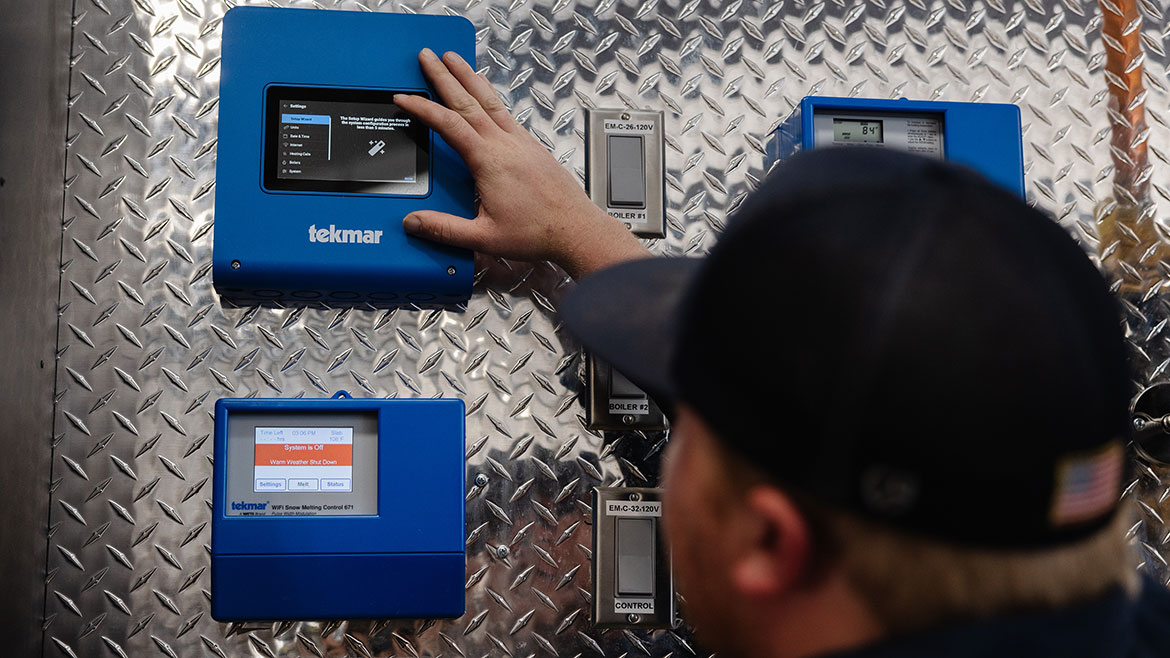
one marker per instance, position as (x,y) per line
(625,158)
(633,585)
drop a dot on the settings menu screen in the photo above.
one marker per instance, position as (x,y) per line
(346,142)
(343,140)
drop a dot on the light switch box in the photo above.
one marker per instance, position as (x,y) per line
(616,403)
(625,166)
(632,582)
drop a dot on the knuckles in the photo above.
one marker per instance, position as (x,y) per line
(451,122)
(465,106)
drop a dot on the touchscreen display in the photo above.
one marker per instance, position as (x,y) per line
(316,459)
(343,140)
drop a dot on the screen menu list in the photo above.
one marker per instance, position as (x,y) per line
(341,141)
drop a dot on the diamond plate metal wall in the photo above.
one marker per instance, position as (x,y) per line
(146,348)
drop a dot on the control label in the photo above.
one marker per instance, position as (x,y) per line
(628,406)
(632,508)
(308,509)
(629,127)
(639,606)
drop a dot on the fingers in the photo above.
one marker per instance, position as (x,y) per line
(444,228)
(453,93)
(480,89)
(450,126)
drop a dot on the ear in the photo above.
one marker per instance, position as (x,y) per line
(776,542)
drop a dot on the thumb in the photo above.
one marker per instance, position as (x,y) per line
(442,227)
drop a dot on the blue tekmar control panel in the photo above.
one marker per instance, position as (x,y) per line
(338,508)
(983,136)
(316,166)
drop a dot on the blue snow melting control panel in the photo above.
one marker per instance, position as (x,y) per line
(338,508)
(316,166)
(983,136)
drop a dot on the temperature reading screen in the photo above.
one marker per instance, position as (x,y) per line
(849,131)
(308,459)
(917,132)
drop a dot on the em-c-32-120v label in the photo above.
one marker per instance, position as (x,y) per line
(647,508)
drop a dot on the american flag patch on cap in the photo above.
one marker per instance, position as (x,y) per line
(1087,485)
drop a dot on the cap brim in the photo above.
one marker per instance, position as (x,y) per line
(628,315)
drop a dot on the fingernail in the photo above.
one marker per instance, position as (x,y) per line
(411,224)
(454,55)
(427,52)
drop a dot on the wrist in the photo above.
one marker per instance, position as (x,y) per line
(595,241)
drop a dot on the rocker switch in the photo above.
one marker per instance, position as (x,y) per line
(627,171)
(635,556)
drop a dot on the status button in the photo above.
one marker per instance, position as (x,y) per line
(336,484)
(303,484)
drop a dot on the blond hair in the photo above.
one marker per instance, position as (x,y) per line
(912,582)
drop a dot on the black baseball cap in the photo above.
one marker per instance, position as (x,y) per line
(895,336)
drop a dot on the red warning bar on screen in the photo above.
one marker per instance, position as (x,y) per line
(304,454)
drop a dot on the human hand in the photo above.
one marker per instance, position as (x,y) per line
(530,207)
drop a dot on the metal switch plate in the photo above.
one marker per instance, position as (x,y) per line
(633,585)
(616,403)
(625,159)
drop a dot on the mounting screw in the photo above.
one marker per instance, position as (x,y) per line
(502,552)
(451,271)
(633,618)
(628,419)
(625,116)
(635,496)
(628,226)
(235,264)
(1139,423)
(481,480)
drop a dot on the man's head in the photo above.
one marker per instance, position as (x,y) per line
(889,337)
(769,571)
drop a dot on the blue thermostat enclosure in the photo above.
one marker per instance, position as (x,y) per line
(316,166)
(338,508)
(983,136)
